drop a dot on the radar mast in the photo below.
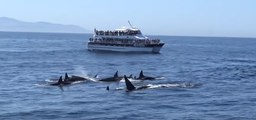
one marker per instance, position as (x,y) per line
(130,24)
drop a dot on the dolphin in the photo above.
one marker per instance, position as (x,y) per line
(131,87)
(115,78)
(143,77)
(60,82)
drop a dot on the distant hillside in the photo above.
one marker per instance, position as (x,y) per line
(9,24)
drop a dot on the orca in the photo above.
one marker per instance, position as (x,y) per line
(131,87)
(115,78)
(60,82)
(68,80)
(73,78)
(143,77)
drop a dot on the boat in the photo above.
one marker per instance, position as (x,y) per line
(123,40)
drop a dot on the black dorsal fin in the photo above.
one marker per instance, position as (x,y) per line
(66,77)
(129,85)
(130,76)
(116,74)
(141,74)
(60,80)
(95,76)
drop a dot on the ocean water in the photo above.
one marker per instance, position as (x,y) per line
(204,78)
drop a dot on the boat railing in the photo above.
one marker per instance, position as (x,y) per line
(116,33)
(124,41)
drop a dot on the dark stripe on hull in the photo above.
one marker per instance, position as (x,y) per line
(127,45)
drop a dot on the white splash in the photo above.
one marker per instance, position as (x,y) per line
(50,81)
(163,85)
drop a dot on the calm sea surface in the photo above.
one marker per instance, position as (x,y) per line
(208,78)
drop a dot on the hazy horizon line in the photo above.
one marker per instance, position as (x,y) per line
(160,35)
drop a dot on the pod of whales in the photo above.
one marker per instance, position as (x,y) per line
(68,80)
(115,78)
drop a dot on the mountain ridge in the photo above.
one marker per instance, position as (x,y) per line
(14,25)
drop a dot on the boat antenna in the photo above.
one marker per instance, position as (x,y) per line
(130,24)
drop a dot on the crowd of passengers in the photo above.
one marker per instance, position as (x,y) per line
(124,41)
(117,33)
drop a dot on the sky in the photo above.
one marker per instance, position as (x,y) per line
(220,18)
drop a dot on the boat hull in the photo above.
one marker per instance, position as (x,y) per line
(153,49)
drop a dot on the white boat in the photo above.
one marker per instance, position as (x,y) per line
(123,40)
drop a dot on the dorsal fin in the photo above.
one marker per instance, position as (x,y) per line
(129,85)
(60,80)
(130,76)
(116,74)
(66,77)
(95,76)
(141,74)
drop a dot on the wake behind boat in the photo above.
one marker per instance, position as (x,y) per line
(123,40)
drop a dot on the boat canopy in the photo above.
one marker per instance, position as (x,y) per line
(118,32)
(129,30)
